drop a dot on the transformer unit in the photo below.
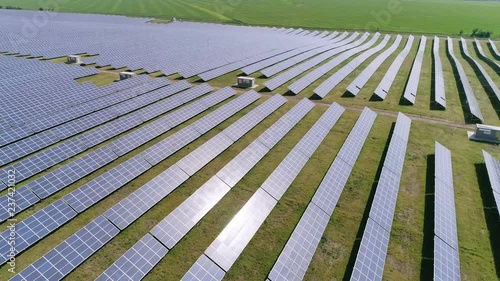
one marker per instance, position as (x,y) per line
(485,133)
(74,59)
(246,82)
(125,75)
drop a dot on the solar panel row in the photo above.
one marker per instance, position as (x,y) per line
(170,230)
(337,42)
(371,256)
(439,91)
(152,130)
(360,81)
(66,256)
(95,190)
(479,50)
(297,254)
(76,126)
(227,247)
(298,69)
(493,48)
(281,57)
(493,168)
(446,262)
(44,160)
(385,84)
(411,88)
(317,73)
(134,264)
(465,85)
(324,88)
(490,85)
(182,219)
(130,208)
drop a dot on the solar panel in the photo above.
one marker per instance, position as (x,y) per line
(385,84)
(276,132)
(439,90)
(481,54)
(135,263)
(446,261)
(163,149)
(372,253)
(205,153)
(352,146)
(239,166)
(65,257)
(68,174)
(24,198)
(146,133)
(298,252)
(178,223)
(493,168)
(346,52)
(494,48)
(236,130)
(410,92)
(443,168)
(232,240)
(136,204)
(168,146)
(445,224)
(222,113)
(26,146)
(464,82)
(204,270)
(384,202)
(490,85)
(360,81)
(14,134)
(373,250)
(95,190)
(37,226)
(326,86)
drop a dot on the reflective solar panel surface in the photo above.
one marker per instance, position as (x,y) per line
(385,84)
(359,82)
(410,92)
(135,263)
(465,84)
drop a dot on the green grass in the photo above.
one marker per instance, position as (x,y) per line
(409,257)
(416,16)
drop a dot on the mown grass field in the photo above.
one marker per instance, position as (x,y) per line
(415,16)
(410,247)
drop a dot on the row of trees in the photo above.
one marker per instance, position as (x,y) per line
(476,32)
(10,8)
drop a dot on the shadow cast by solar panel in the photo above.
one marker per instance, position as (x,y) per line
(347,94)
(264,90)
(366,213)
(289,94)
(375,98)
(489,91)
(468,117)
(492,51)
(490,213)
(427,262)
(315,97)
(402,100)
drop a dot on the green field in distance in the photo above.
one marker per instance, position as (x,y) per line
(416,16)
